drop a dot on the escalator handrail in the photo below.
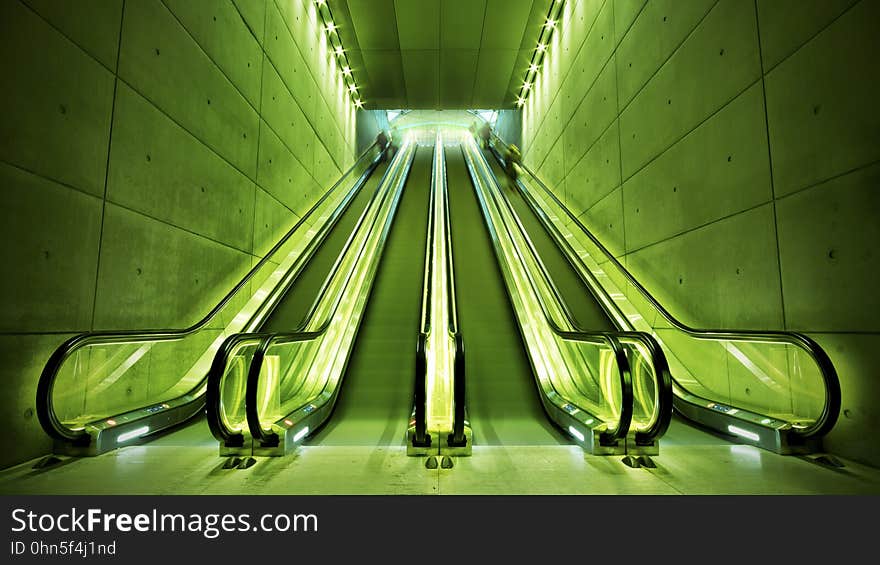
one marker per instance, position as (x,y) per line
(300,334)
(221,358)
(824,423)
(459,393)
(657,358)
(49,420)
(421,437)
(607,339)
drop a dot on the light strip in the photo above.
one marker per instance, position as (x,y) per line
(550,23)
(338,51)
(132,434)
(743,433)
(301,434)
(575,433)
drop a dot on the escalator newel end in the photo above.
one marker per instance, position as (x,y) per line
(431,463)
(246,463)
(232,462)
(446,463)
(47,461)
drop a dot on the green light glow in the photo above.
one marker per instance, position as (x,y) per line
(440,346)
(567,371)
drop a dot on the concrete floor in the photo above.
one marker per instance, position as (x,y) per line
(690,462)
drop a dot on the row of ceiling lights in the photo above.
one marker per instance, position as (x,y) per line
(539,52)
(327,24)
(330,27)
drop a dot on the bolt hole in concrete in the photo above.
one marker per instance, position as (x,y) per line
(157,51)
(816,109)
(139,271)
(680,280)
(46,254)
(29,413)
(148,158)
(62,108)
(721,53)
(832,253)
(847,413)
(209,101)
(729,158)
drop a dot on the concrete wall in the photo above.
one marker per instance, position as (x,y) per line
(150,152)
(508,126)
(369,124)
(727,151)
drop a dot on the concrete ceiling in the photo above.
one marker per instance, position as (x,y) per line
(439,54)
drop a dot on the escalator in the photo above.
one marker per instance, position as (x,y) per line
(334,367)
(773,389)
(102,390)
(503,403)
(376,398)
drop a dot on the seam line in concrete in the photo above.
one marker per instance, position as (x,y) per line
(811,38)
(107,171)
(257,110)
(770,164)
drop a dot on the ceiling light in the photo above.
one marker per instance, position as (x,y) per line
(359,103)
(352,88)
(533,68)
(331,27)
(520,101)
(542,47)
(339,50)
(346,70)
(549,24)
(527,85)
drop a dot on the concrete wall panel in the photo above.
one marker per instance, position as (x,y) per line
(221,32)
(718,169)
(25,439)
(718,275)
(51,235)
(828,254)
(142,259)
(625,13)
(596,174)
(253,12)
(163,63)
(717,62)
(832,125)
(786,25)
(273,219)
(56,119)
(92,24)
(159,169)
(656,33)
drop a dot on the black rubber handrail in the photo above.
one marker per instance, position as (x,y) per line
(831,409)
(269,437)
(421,437)
(44,406)
(608,339)
(459,395)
